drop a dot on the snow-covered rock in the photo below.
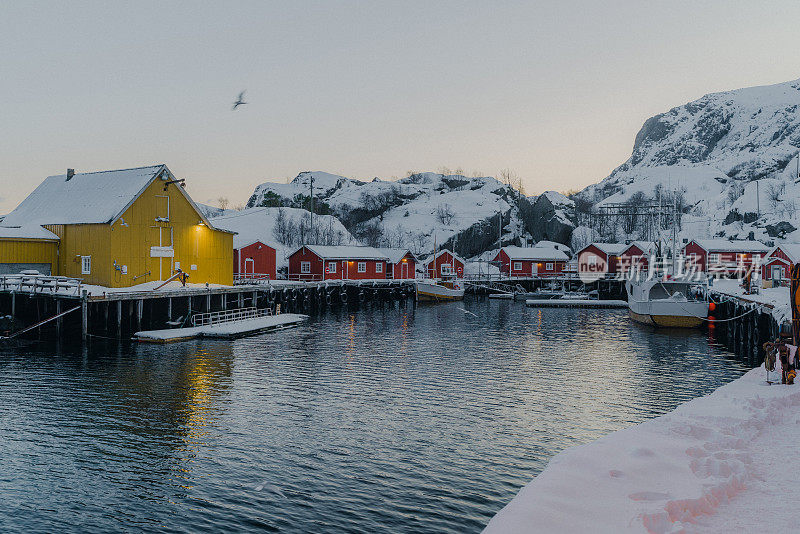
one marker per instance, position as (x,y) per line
(415,212)
(710,151)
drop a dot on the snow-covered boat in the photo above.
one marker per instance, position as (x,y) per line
(667,303)
(436,291)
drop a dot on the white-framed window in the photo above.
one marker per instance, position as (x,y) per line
(446,268)
(713,258)
(756,258)
(517,265)
(305,267)
(548,266)
(362,266)
(86,265)
(332,267)
(379,267)
(777,272)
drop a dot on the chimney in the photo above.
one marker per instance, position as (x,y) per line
(70,174)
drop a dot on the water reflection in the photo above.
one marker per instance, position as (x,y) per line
(391,418)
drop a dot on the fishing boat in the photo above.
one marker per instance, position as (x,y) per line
(439,290)
(673,303)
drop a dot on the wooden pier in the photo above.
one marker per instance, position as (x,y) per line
(120,313)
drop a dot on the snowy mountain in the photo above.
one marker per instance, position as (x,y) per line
(451,211)
(729,160)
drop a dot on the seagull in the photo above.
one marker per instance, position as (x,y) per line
(239,101)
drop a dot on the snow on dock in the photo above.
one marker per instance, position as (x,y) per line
(719,463)
(575,303)
(226,330)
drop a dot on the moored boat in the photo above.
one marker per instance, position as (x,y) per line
(436,291)
(666,303)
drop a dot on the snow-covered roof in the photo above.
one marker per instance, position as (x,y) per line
(724,245)
(792,250)
(347,252)
(31,231)
(612,249)
(396,254)
(535,253)
(647,247)
(456,256)
(88,197)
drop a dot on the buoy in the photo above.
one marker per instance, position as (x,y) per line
(328,299)
(343,296)
(712,306)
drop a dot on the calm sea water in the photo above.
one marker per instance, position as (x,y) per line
(393,419)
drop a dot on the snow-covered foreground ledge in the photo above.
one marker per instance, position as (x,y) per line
(721,463)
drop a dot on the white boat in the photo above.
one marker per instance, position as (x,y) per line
(433,290)
(667,303)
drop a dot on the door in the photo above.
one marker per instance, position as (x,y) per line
(249,267)
(404,270)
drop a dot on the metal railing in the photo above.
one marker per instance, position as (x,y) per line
(37,283)
(228,316)
(251,278)
(305,277)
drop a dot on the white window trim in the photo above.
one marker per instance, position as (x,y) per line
(362,266)
(305,267)
(548,266)
(379,267)
(714,258)
(86,265)
(517,265)
(332,267)
(446,268)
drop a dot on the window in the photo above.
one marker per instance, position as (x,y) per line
(548,266)
(305,267)
(757,258)
(713,258)
(379,267)
(86,265)
(362,266)
(332,267)
(517,265)
(446,268)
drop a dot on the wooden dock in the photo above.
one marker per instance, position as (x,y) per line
(575,303)
(225,330)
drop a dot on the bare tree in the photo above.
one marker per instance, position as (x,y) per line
(735,191)
(444,214)
(775,191)
(222,202)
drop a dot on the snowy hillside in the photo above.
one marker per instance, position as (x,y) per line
(709,152)
(451,210)
(285,229)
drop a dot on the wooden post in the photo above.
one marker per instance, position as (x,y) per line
(84,316)
(239,298)
(255,299)
(169,309)
(13,309)
(208,302)
(107,306)
(58,321)
(224,301)
(119,318)
(139,312)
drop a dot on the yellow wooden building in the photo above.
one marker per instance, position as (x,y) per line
(117,229)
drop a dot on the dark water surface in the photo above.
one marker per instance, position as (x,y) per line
(389,419)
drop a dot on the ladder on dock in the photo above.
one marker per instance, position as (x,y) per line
(228,316)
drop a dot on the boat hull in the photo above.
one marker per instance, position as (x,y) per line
(437,293)
(666,321)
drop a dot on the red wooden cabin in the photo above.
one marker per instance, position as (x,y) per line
(401,264)
(609,253)
(723,257)
(777,265)
(445,263)
(531,261)
(254,260)
(637,256)
(319,262)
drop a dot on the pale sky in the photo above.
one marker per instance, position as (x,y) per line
(555,91)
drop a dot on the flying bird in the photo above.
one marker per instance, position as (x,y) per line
(239,101)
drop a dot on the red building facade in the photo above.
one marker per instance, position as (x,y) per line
(637,256)
(445,263)
(778,263)
(720,256)
(528,262)
(609,254)
(316,262)
(254,260)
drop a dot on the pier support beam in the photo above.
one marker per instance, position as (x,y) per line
(13,309)
(59,320)
(119,318)
(84,316)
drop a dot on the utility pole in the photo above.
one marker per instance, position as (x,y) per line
(758,201)
(312,201)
